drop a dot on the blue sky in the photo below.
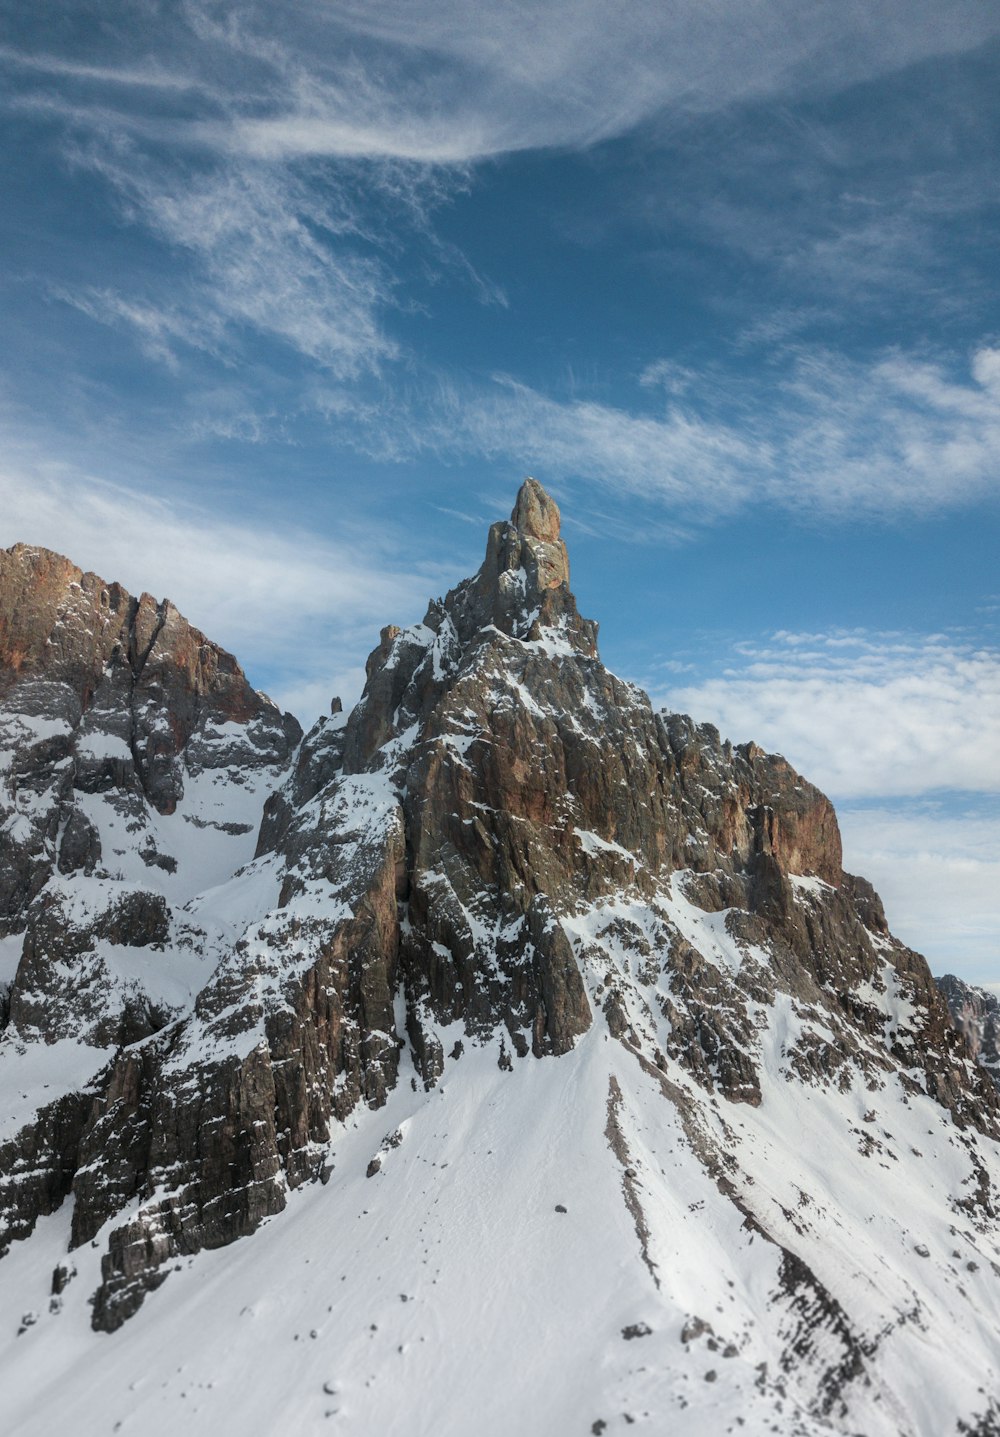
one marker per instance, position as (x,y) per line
(294,295)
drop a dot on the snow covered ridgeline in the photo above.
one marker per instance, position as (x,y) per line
(134,763)
(775,1158)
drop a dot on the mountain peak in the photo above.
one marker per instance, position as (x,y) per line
(536,513)
(104,665)
(535,545)
(524,579)
(520,591)
(502,854)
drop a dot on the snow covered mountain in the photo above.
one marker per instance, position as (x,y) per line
(563,1079)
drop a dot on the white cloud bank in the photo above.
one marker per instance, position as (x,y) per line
(897,435)
(863,715)
(938,874)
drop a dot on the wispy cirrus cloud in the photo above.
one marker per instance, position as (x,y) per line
(899,435)
(440,84)
(902,434)
(149,77)
(162,330)
(273,253)
(398,102)
(682,459)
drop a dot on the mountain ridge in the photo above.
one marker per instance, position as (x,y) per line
(501,857)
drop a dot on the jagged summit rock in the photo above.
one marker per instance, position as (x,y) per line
(528,553)
(502,919)
(536,513)
(536,518)
(520,592)
(522,587)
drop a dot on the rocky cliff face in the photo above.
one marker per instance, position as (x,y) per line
(135,759)
(502,852)
(976,1014)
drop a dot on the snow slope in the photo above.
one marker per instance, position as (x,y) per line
(448,1292)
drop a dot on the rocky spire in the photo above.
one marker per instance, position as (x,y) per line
(536,519)
(536,513)
(523,584)
(521,591)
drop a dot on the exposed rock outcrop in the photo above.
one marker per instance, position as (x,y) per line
(502,845)
(132,748)
(976,1014)
(105,694)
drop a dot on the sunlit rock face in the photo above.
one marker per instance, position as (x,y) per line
(503,885)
